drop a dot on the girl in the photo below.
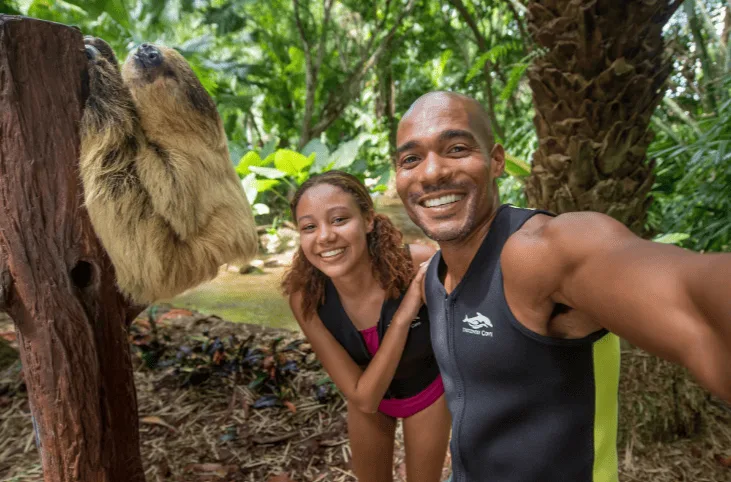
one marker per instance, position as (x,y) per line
(350,288)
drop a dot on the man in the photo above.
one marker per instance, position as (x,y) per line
(527,307)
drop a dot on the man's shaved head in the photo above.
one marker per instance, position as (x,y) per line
(479,119)
(447,165)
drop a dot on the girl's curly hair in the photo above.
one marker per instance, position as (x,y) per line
(391,263)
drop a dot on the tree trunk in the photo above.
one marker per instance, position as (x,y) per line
(594,92)
(386,101)
(56,281)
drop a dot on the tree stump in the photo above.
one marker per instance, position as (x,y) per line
(56,280)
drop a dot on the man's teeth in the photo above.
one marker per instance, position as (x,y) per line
(334,252)
(451,198)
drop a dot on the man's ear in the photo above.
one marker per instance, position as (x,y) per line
(497,158)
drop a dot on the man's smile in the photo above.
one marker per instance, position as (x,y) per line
(441,200)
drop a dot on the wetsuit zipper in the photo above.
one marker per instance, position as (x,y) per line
(458,383)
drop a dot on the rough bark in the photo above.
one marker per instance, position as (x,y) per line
(594,92)
(59,285)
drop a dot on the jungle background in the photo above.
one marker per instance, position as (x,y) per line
(629,114)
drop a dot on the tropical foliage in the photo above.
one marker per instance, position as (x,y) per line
(306,85)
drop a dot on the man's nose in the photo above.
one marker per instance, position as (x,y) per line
(435,168)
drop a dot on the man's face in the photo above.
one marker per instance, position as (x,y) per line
(444,174)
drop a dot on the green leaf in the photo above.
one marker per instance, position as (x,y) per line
(316,147)
(498,51)
(268,148)
(344,155)
(263,185)
(8,8)
(268,172)
(671,238)
(516,167)
(116,9)
(249,185)
(198,44)
(268,160)
(291,162)
(251,158)
(476,67)
(297,61)
(437,72)
(516,73)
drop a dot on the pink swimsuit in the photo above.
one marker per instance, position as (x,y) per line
(403,407)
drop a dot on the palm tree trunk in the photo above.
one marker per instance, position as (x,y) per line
(594,90)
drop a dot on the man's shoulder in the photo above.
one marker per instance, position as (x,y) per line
(545,241)
(572,224)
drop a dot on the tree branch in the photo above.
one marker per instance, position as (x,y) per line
(300,28)
(323,38)
(527,42)
(337,101)
(310,76)
(706,63)
(252,120)
(482,43)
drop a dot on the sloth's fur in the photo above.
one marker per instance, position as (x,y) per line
(161,192)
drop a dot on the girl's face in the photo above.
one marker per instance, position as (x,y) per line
(332,230)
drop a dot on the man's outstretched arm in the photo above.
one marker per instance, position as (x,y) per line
(669,301)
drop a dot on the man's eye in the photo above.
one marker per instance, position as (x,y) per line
(408,160)
(458,149)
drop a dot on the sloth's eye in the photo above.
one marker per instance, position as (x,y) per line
(91,52)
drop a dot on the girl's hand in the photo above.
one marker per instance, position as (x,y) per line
(413,299)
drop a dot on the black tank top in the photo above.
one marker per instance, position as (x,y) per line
(417,367)
(525,407)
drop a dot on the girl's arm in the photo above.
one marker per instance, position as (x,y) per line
(364,388)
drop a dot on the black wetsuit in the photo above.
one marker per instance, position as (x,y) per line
(525,407)
(417,368)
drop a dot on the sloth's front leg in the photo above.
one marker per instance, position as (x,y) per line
(109,106)
(111,137)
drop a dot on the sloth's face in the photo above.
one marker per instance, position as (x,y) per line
(153,64)
(161,77)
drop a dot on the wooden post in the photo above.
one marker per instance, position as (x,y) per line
(56,281)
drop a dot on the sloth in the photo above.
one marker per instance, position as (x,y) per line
(160,190)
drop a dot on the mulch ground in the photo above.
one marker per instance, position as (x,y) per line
(222,401)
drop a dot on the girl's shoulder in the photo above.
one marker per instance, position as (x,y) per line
(419,252)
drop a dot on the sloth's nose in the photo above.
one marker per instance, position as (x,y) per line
(149,55)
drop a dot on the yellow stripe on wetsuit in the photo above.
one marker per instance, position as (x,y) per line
(606,385)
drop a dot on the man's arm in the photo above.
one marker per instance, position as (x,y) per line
(669,301)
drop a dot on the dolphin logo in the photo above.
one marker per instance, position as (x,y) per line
(478,322)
